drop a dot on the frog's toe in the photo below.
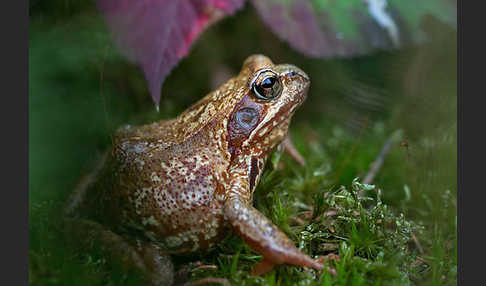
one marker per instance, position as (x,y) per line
(293,256)
(266,265)
(262,267)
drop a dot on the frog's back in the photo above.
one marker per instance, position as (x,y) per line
(160,133)
(171,191)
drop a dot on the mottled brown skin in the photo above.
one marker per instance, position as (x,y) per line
(181,184)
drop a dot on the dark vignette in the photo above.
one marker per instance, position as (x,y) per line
(470,145)
(14,23)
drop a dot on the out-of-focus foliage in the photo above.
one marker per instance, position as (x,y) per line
(157,34)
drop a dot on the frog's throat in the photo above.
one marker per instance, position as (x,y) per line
(274,127)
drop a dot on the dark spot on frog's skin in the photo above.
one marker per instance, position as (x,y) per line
(253,172)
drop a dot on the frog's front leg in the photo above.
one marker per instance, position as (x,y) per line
(259,232)
(132,254)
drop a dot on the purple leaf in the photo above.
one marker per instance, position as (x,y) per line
(157,34)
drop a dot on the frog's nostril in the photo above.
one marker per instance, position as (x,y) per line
(296,72)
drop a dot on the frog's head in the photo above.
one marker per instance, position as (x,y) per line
(260,120)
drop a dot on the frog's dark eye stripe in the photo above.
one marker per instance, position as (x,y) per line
(266,85)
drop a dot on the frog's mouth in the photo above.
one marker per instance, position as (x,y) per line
(275,125)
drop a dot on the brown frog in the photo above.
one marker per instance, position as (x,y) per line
(180,185)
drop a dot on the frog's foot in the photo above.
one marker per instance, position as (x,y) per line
(289,147)
(262,267)
(264,237)
(159,269)
(145,257)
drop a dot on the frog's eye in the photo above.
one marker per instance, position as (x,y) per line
(266,85)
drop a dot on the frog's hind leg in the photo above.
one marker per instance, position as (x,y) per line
(155,266)
(78,195)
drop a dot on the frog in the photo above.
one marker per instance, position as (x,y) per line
(181,185)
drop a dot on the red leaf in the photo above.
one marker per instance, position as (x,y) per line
(157,34)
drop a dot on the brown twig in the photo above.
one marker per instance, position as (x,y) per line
(332,212)
(297,220)
(422,259)
(289,147)
(417,243)
(307,215)
(327,247)
(416,263)
(206,267)
(378,163)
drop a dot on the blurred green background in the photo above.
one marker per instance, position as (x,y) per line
(81,89)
